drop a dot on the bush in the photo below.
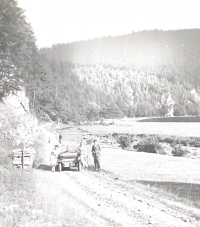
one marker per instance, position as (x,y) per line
(194,142)
(124,141)
(185,141)
(179,151)
(150,145)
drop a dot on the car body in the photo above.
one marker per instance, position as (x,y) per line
(66,159)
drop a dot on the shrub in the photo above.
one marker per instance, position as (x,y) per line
(179,151)
(195,142)
(124,141)
(169,139)
(185,141)
(115,134)
(161,151)
(150,145)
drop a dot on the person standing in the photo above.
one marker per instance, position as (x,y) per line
(60,138)
(54,158)
(82,156)
(96,152)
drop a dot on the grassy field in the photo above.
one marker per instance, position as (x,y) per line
(177,175)
(135,127)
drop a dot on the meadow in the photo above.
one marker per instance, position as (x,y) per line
(135,126)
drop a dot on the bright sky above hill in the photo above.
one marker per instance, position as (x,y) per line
(64,21)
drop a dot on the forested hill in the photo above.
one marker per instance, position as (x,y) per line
(122,76)
(171,54)
(106,77)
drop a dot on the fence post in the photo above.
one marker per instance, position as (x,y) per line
(23,158)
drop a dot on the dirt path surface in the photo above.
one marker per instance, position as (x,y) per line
(94,199)
(106,198)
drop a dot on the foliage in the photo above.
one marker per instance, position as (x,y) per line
(149,144)
(93,111)
(124,84)
(175,54)
(66,91)
(111,111)
(152,143)
(124,141)
(17,48)
(184,141)
(179,151)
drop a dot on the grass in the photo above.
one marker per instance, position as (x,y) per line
(17,189)
(188,129)
(187,193)
(176,175)
(27,198)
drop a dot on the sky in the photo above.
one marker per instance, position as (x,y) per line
(65,21)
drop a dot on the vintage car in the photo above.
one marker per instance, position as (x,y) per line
(66,159)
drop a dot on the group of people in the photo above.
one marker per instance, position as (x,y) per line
(82,156)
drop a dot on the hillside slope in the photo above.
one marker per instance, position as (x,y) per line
(170,54)
(121,76)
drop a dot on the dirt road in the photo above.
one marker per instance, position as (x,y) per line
(108,197)
(94,199)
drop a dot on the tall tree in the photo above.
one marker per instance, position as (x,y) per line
(17,48)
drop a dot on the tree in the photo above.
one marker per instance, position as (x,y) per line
(111,111)
(93,111)
(17,48)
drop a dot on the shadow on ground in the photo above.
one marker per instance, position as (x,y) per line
(91,168)
(189,191)
(44,167)
(48,168)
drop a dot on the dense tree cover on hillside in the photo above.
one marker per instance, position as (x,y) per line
(127,75)
(61,93)
(90,92)
(174,55)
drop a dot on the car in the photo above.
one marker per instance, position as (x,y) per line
(66,160)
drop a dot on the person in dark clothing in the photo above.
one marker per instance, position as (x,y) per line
(96,152)
(60,138)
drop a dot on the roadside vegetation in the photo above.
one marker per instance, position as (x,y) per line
(153,143)
(16,198)
(28,200)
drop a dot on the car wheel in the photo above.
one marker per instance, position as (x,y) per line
(59,167)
